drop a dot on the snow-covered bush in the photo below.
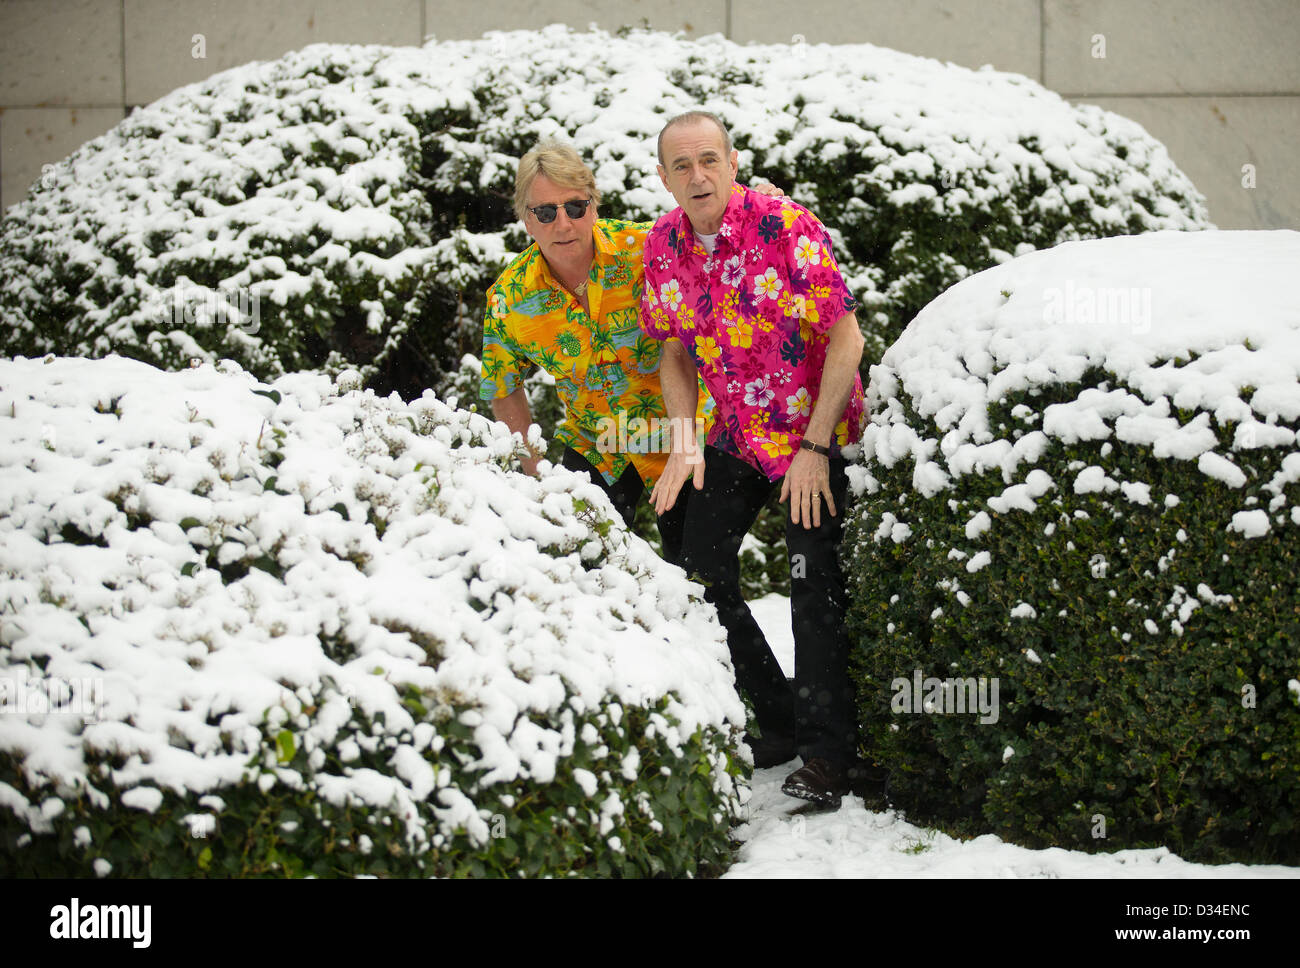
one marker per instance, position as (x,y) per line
(355,200)
(1075,545)
(301,629)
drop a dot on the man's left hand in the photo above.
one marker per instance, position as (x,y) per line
(767,188)
(807,483)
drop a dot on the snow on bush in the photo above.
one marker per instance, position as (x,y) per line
(1081,486)
(299,628)
(349,205)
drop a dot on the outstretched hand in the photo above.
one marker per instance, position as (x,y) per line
(676,472)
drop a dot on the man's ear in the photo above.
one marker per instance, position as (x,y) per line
(663,175)
(735,163)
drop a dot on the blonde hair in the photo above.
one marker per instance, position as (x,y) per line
(558,162)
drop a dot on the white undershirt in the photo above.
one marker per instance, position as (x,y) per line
(708,241)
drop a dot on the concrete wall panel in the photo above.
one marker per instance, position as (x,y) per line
(1213,139)
(161,36)
(1172,47)
(60,52)
(101,56)
(34,137)
(466,21)
(1004,33)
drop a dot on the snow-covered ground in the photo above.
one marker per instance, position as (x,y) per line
(782,840)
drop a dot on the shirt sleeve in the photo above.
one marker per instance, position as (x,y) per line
(504,362)
(815,275)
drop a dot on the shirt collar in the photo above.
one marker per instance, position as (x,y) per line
(735,210)
(602,254)
(606,247)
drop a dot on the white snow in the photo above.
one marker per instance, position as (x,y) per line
(1251,524)
(1243,299)
(854,842)
(406,557)
(1136,492)
(1221,342)
(978,524)
(1092,480)
(1220,468)
(147,799)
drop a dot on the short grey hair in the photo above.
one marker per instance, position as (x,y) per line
(689,117)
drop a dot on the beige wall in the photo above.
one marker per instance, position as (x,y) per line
(1218,81)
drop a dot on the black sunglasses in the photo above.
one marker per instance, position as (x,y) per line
(575,209)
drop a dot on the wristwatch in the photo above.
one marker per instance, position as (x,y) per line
(807,444)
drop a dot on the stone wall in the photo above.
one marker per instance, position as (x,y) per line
(1218,81)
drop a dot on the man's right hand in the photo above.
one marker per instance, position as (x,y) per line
(681,467)
(679,378)
(514,412)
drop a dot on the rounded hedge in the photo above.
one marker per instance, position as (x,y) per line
(355,200)
(295,628)
(1081,485)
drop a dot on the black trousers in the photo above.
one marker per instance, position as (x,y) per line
(625,493)
(816,716)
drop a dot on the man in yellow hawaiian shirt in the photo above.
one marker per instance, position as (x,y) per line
(570,303)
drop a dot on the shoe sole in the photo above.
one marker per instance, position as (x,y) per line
(830,800)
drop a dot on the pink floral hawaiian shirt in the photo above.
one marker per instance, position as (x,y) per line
(755,316)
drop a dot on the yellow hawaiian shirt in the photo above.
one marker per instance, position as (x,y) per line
(606,368)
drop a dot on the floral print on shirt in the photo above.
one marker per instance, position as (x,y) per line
(755,316)
(604,366)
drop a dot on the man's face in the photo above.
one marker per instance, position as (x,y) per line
(698,172)
(564,238)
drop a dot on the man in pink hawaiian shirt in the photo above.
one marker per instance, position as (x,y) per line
(746,292)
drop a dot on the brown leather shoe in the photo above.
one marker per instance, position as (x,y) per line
(818,780)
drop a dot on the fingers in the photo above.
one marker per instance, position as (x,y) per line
(676,472)
(664,495)
(806,504)
(806,488)
(663,500)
